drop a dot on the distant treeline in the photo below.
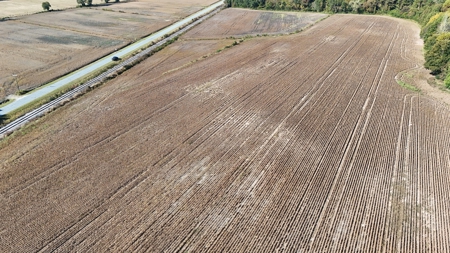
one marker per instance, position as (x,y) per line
(432,15)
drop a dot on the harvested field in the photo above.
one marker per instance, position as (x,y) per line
(115,25)
(294,143)
(168,9)
(180,9)
(38,48)
(10,8)
(239,23)
(32,54)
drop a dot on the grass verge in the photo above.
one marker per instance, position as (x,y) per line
(408,86)
(5,119)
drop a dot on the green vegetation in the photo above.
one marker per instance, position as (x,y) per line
(432,15)
(46,6)
(419,10)
(408,86)
(84,2)
(447,80)
(438,55)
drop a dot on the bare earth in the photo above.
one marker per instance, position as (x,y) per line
(300,143)
(10,8)
(38,48)
(239,23)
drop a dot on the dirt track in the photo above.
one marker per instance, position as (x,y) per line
(301,142)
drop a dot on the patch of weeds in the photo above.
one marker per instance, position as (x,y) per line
(408,86)
(23,92)
(5,102)
(3,119)
(26,129)
(407,74)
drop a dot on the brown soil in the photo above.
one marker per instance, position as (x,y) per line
(32,54)
(294,143)
(163,10)
(97,22)
(10,8)
(38,48)
(180,9)
(239,22)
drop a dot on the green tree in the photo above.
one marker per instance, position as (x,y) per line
(438,57)
(46,6)
(432,26)
(446,6)
(447,81)
(355,4)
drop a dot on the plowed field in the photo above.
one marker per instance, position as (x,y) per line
(239,22)
(300,143)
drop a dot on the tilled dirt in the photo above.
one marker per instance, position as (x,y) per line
(288,144)
(239,23)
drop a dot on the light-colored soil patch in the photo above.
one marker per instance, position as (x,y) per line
(240,22)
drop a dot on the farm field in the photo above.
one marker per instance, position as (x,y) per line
(11,8)
(168,9)
(240,22)
(278,144)
(38,48)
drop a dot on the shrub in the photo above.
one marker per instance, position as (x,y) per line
(430,42)
(46,6)
(447,81)
(437,58)
(446,5)
(84,2)
(432,26)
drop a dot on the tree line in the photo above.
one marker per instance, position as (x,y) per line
(432,15)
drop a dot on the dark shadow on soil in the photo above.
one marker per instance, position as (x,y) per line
(3,119)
